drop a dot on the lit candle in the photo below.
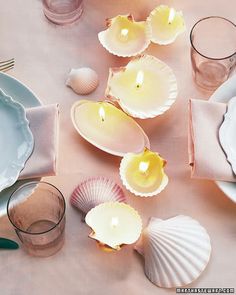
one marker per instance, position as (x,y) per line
(143,174)
(114,224)
(139,79)
(108,128)
(166,24)
(125,37)
(145,88)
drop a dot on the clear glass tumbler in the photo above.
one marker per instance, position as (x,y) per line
(37,212)
(213,51)
(62,12)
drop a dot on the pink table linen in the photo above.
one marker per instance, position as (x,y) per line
(44,126)
(44,55)
(206,155)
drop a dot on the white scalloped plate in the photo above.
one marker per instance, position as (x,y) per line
(227,133)
(223,94)
(16,140)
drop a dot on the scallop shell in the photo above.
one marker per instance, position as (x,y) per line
(157,29)
(94,191)
(164,89)
(141,32)
(99,217)
(82,81)
(176,251)
(123,125)
(136,190)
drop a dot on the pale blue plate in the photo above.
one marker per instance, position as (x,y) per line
(27,98)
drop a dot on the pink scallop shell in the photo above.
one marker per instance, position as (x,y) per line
(94,191)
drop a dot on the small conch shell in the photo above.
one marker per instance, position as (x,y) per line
(124,37)
(176,251)
(82,81)
(94,191)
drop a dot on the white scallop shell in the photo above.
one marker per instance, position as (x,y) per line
(82,81)
(94,191)
(158,37)
(176,251)
(168,97)
(123,166)
(139,44)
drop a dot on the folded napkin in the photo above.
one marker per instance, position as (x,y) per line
(206,155)
(44,126)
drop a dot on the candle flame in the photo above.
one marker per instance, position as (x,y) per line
(171,16)
(143,166)
(102,113)
(139,78)
(124,32)
(114,222)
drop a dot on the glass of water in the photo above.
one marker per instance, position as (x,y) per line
(37,212)
(62,12)
(213,51)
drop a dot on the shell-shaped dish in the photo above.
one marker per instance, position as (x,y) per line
(157,93)
(108,128)
(124,37)
(114,224)
(176,251)
(94,191)
(142,183)
(82,81)
(227,133)
(16,140)
(164,31)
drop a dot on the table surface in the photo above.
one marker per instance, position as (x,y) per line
(44,54)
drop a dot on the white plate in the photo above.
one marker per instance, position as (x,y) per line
(227,133)
(27,98)
(16,140)
(223,94)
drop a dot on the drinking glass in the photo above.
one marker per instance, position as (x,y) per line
(213,51)
(37,212)
(62,12)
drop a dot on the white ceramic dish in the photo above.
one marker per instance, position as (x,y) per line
(227,133)
(16,140)
(27,98)
(223,94)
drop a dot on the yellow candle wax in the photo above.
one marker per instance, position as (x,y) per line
(124,36)
(107,127)
(144,88)
(143,174)
(114,224)
(166,24)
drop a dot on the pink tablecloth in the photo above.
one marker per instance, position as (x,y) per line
(44,54)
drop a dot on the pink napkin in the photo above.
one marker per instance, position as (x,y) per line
(44,126)
(206,156)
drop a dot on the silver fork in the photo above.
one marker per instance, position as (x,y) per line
(7,65)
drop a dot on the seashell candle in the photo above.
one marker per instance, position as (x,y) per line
(176,251)
(114,224)
(125,37)
(94,191)
(82,81)
(108,128)
(166,24)
(143,174)
(145,88)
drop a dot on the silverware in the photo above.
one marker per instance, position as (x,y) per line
(8,244)
(7,65)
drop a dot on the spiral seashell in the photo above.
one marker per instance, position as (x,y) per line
(82,81)
(176,251)
(94,191)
